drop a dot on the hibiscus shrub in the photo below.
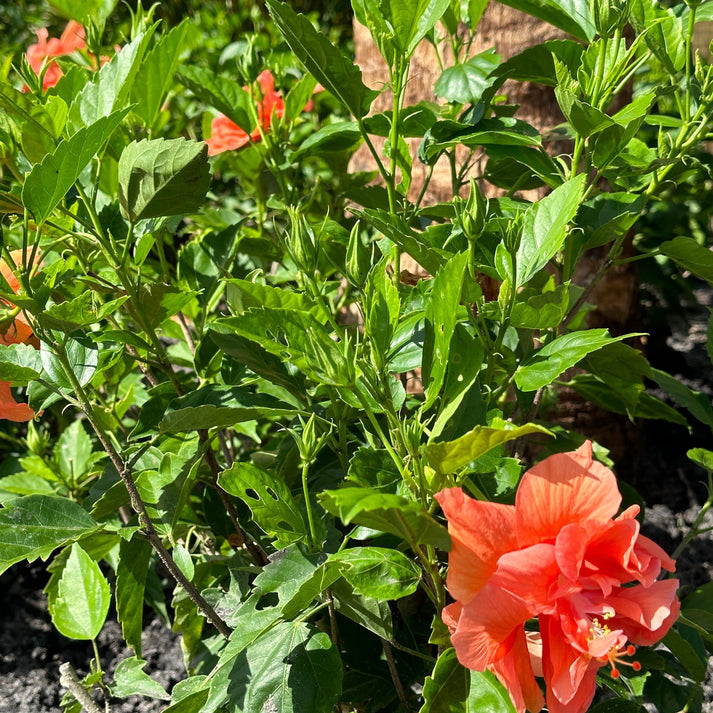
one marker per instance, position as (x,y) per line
(222,398)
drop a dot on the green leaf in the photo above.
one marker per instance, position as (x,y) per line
(184,561)
(546,364)
(572,16)
(446,689)
(608,216)
(412,21)
(448,134)
(82,359)
(696,402)
(691,655)
(701,457)
(378,572)
(690,256)
(545,228)
(663,33)
(269,499)
(35,525)
(110,90)
(48,182)
(585,119)
(385,512)
(19,363)
(252,294)
(156,74)
(441,319)
(508,163)
(411,242)
(223,93)
(450,456)
(465,83)
(163,177)
(83,10)
(192,703)
(292,669)
(370,613)
(488,694)
(130,680)
(73,451)
(131,572)
(81,601)
(340,136)
(257,359)
(337,74)
(215,406)
(617,705)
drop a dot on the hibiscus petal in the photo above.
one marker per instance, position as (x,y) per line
(480,532)
(569,673)
(563,489)
(10,409)
(515,672)
(487,627)
(645,613)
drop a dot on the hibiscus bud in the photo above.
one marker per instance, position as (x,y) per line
(303,245)
(310,442)
(608,15)
(358,258)
(250,62)
(36,441)
(470,213)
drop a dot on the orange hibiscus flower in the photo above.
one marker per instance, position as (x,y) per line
(17,332)
(560,555)
(72,39)
(227,136)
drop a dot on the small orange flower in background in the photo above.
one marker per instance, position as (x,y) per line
(228,136)
(17,332)
(558,554)
(72,40)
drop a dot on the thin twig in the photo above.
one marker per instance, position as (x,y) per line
(68,679)
(394,674)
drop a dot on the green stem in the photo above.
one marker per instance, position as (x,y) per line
(695,531)
(689,37)
(308,506)
(135,497)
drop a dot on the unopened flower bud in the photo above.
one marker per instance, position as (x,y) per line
(303,245)
(470,213)
(358,258)
(608,15)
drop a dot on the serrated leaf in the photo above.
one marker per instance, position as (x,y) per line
(111,88)
(48,181)
(35,525)
(465,83)
(81,601)
(131,573)
(82,359)
(449,456)
(385,512)
(572,16)
(446,689)
(222,93)
(690,256)
(546,364)
(340,136)
(130,680)
(441,319)
(156,73)
(215,406)
(697,403)
(545,228)
(377,572)
(269,499)
(323,60)
(19,363)
(162,177)
(486,693)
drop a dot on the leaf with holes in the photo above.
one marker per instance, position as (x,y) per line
(270,500)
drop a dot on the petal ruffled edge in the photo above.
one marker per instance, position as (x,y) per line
(564,489)
(480,533)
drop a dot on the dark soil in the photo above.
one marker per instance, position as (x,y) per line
(31,651)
